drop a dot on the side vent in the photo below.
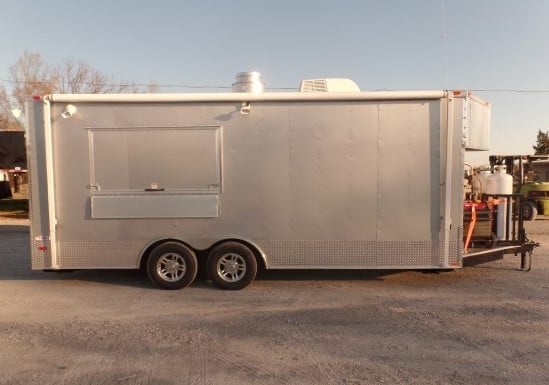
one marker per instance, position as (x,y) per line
(313,85)
(328,85)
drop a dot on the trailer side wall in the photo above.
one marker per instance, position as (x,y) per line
(313,184)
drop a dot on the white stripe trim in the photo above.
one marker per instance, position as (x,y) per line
(249,97)
(48,138)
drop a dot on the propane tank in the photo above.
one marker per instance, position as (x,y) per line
(479,183)
(501,183)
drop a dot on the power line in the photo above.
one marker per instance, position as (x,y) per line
(511,90)
(194,86)
(142,85)
(119,84)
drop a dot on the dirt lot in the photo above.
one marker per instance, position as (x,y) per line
(482,325)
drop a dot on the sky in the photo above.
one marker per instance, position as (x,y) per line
(497,48)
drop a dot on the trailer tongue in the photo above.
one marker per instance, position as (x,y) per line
(494,212)
(481,244)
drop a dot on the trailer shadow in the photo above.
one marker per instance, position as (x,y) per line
(138,279)
(325,275)
(14,229)
(118,277)
(15,262)
(130,278)
(15,265)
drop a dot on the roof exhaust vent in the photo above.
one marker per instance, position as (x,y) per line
(328,85)
(248,82)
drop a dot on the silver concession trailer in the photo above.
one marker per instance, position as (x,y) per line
(324,178)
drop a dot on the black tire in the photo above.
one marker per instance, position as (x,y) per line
(529,211)
(171,266)
(231,266)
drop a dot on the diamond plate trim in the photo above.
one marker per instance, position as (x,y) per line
(279,254)
(40,259)
(357,254)
(100,254)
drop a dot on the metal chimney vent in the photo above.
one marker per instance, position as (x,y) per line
(248,82)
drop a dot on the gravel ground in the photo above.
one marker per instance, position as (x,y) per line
(480,325)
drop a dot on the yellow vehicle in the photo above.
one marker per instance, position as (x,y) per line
(536,200)
(534,191)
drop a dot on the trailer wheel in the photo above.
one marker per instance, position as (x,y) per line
(529,211)
(172,266)
(231,266)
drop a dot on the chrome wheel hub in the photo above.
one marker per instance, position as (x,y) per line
(231,267)
(171,267)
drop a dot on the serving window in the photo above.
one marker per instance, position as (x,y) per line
(172,159)
(155,172)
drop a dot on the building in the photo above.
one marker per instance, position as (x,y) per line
(13,165)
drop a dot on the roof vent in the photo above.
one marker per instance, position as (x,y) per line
(328,85)
(248,82)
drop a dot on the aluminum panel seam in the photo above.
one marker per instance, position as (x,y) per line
(449,166)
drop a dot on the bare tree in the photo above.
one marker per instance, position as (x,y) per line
(8,121)
(151,88)
(80,77)
(31,76)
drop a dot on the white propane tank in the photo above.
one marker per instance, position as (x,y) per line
(501,183)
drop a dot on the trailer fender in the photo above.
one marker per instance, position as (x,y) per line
(259,253)
(201,246)
(145,252)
